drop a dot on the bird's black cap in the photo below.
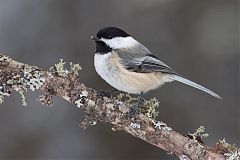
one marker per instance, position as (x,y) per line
(111,32)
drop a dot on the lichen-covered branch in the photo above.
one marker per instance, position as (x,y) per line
(16,76)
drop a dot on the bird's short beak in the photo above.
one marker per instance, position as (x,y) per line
(95,39)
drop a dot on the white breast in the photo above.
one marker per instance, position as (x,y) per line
(106,70)
(109,68)
(100,63)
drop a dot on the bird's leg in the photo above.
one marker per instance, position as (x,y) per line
(136,107)
(106,93)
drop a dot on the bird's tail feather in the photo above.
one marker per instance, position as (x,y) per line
(195,85)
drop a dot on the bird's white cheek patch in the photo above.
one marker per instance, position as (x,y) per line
(120,42)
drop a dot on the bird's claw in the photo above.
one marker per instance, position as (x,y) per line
(134,110)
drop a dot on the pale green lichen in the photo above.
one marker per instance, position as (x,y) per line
(84,93)
(135,125)
(199,133)
(91,103)
(126,97)
(124,101)
(66,97)
(35,83)
(24,103)
(93,123)
(110,106)
(1,98)
(62,71)
(233,155)
(79,102)
(17,83)
(161,126)
(60,68)
(74,68)
(4,60)
(5,93)
(184,157)
(119,99)
(150,108)
(120,96)
(32,79)
(15,79)
(224,143)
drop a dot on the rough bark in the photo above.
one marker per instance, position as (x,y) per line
(16,76)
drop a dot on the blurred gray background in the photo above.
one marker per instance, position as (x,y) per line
(199,39)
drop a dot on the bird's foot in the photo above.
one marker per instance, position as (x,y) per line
(135,109)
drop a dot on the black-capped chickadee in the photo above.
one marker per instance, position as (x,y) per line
(129,66)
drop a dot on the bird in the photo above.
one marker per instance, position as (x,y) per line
(128,66)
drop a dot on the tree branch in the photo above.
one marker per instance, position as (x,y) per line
(16,76)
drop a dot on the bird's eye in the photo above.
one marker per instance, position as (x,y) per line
(109,36)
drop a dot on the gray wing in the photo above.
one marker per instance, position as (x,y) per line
(143,62)
(149,63)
